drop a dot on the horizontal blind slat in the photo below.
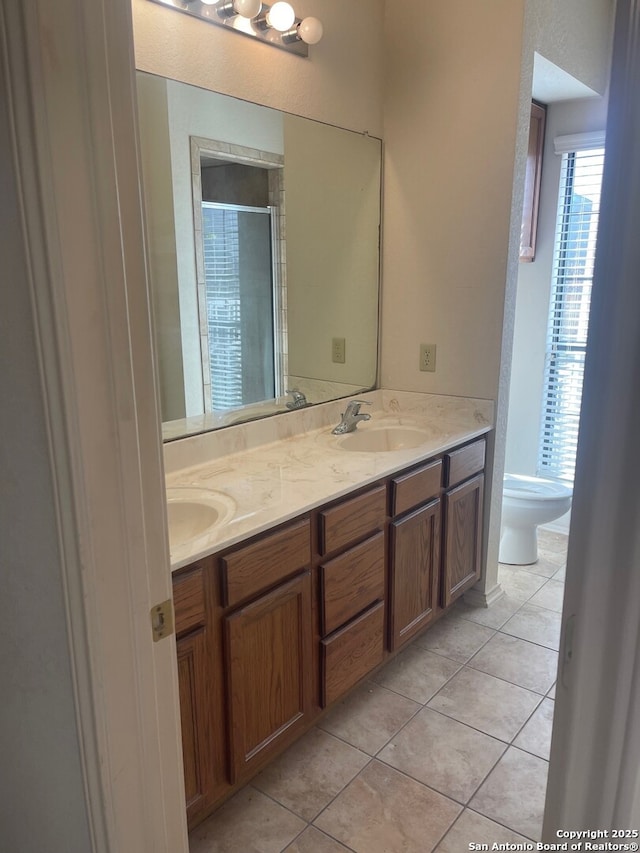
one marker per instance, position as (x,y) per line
(573,260)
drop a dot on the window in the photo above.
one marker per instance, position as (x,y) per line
(237,243)
(574,253)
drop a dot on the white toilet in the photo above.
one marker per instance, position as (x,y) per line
(526,503)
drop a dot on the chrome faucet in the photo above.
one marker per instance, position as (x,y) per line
(351,417)
(299,400)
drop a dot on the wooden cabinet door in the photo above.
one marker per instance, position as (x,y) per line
(269,673)
(202,730)
(462,538)
(414,566)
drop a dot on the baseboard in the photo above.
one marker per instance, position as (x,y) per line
(479,598)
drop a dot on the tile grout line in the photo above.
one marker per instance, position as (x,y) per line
(461,665)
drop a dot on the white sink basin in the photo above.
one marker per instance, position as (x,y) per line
(385,439)
(193,512)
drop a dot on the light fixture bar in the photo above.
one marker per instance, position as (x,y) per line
(218,14)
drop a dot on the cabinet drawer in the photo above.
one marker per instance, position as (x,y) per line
(416,487)
(257,567)
(351,582)
(465,462)
(352,519)
(188,600)
(352,652)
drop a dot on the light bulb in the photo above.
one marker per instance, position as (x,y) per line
(208,2)
(310,30)
(247,8)
(281,16)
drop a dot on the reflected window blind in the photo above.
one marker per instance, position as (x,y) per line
(222,293)
(575,244)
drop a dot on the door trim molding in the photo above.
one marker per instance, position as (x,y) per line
(70,83)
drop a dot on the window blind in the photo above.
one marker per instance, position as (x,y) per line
(222,293)
(574,254)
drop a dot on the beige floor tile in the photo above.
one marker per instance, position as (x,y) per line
(561,574)
(314,841)
(542,569)
(517,583)
(383,810)
(486,703)
(553,541)
(250,822)
(549,596)
(473,827)
(535,624)
(310,773)
(535,737)
(555,558)
(492,617)
(518,661)
(514,793)
(444,754)
(369,717)
(416,673)
(455,638)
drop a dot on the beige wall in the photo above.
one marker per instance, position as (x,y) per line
(457,86)
(340,82)
(332,188)
(451,109)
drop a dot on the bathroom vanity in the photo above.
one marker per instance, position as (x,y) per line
(280,613)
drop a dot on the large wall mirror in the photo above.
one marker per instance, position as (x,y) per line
(263,232)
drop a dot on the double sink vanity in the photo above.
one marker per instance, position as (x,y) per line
(303,560)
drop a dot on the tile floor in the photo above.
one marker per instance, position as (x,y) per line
(448,744)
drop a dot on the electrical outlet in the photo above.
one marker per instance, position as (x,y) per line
(338,350)
(428,357)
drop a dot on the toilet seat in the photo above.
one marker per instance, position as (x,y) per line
(533,488)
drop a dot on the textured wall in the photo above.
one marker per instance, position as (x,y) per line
(340,82)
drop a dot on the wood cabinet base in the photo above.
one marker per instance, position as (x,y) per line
(276,629)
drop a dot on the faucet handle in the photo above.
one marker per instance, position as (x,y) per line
(299,400)
(354,405)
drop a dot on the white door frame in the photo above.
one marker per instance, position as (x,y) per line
(70,87)
(594,779)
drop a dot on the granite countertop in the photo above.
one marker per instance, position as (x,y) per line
(301,465)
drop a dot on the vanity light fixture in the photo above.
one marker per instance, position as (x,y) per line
(274,24)
(280,16)
(244,8)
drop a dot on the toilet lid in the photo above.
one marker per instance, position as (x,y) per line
(534,488)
